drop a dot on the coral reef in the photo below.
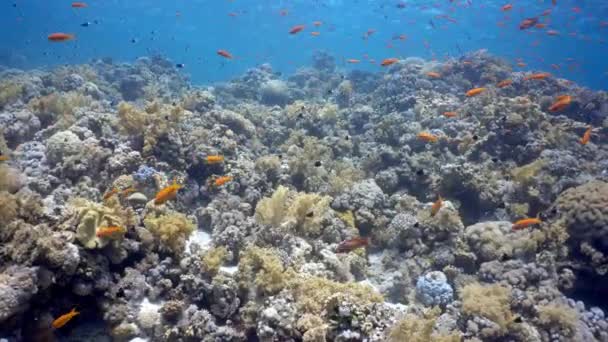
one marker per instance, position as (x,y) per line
(309,207)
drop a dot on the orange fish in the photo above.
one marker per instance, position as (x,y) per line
(507,7)
(433,74)
(560,103)
(317,23)
(527,23)
(315,33)
(352,244)
(538,76)
(214,159)
(128,191)
(221,181)
(109,232)
(504,83)
(60,37)
(4,157)
(428,137)
(167,193)
(352,61)
(65,318)
(110,193)
(475,91)
(525,223)
(389,61)
(450,114)
(553,33)
(521,64)
(296,29)
(586,136)
(79,4)
(436,206)
(224,54)
(540,25)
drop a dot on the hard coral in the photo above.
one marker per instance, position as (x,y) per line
(170,230)
(489,301)
(433,289)
(583,211)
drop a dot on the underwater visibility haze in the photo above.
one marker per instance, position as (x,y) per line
(304,170)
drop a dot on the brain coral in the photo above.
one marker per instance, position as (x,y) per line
(585,211)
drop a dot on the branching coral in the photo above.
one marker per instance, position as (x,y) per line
(489,301)
(170,230)
(287,209)
(91,217)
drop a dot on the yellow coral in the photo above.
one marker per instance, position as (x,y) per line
(348,217)
(9,207)
(525,174)
(213,259)
(59,107)
(313,328)
(272,210)
(131,119)
(155,121)
(171,230)
(263,268)
(558,315)
(417,329)
(9,92)
(489,301)
(307,210)
(312,293)
(302,211)
(91,217)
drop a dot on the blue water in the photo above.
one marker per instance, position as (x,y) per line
(191,31)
